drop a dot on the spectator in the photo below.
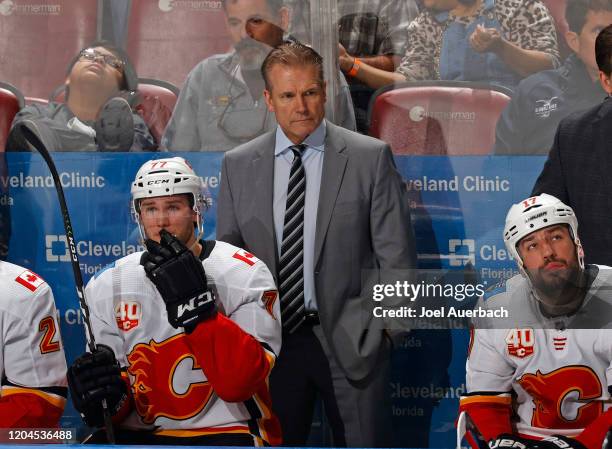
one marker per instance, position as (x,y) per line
(275,191)
(544,369)
(93,116)
(577,170)
(496,41)
(372,30)
(221,104)
(529,122)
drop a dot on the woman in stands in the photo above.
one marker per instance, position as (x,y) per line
(496,41)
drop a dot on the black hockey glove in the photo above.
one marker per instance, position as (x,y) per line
(558,442)
(180,279)
(94,377)
(509,441)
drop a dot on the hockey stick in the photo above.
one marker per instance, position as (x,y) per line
(607,443)
(29,131)
(465,425)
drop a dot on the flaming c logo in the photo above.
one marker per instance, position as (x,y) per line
(167,380)
(552,394)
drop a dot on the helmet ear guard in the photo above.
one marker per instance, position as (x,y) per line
(533,214)
(166,177)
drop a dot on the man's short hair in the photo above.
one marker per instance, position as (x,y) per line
(603,50)
(274,5)
(576,12)
(129,79)
(292,54)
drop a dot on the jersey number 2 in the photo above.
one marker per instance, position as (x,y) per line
(47,327)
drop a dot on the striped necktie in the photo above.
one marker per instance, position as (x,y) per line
(291,266)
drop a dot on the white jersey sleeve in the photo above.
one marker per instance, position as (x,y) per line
(32,353)
(487,371)
(246,292)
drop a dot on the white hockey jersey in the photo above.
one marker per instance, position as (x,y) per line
(31,350)
(555,376)
(170,390)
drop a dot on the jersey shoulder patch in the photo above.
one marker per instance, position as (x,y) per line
(245,257)
(30,280)
(233,254)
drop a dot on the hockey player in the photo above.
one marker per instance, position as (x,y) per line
(187,331)
(32,362)
(550,362)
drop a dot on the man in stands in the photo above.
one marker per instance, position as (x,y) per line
(542,100)
(95,115)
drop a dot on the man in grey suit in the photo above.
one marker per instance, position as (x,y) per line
(319,205)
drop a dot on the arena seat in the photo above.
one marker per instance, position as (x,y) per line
(166,39)
(155,104)
(38,40)
(557,11)
(437,117)
(11,101)
(36,100)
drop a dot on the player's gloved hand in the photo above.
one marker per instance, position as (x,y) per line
(94,377)
(558,442)
(180,279)
(506,440)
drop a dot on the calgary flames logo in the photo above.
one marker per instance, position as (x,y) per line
(167,380)
(557,396)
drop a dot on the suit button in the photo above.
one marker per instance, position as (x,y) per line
(316,273)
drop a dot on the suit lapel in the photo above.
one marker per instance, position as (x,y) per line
(334,164)
(263,166)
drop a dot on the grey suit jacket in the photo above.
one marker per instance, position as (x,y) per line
(363,223)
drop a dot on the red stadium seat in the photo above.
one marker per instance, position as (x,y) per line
(155,104)
(446,117)
(11,101)
(38,40)
(167,39)
(557,11)
(35,100)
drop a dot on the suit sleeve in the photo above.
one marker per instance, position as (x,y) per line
(391,227)
(552,177)
(227,224)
